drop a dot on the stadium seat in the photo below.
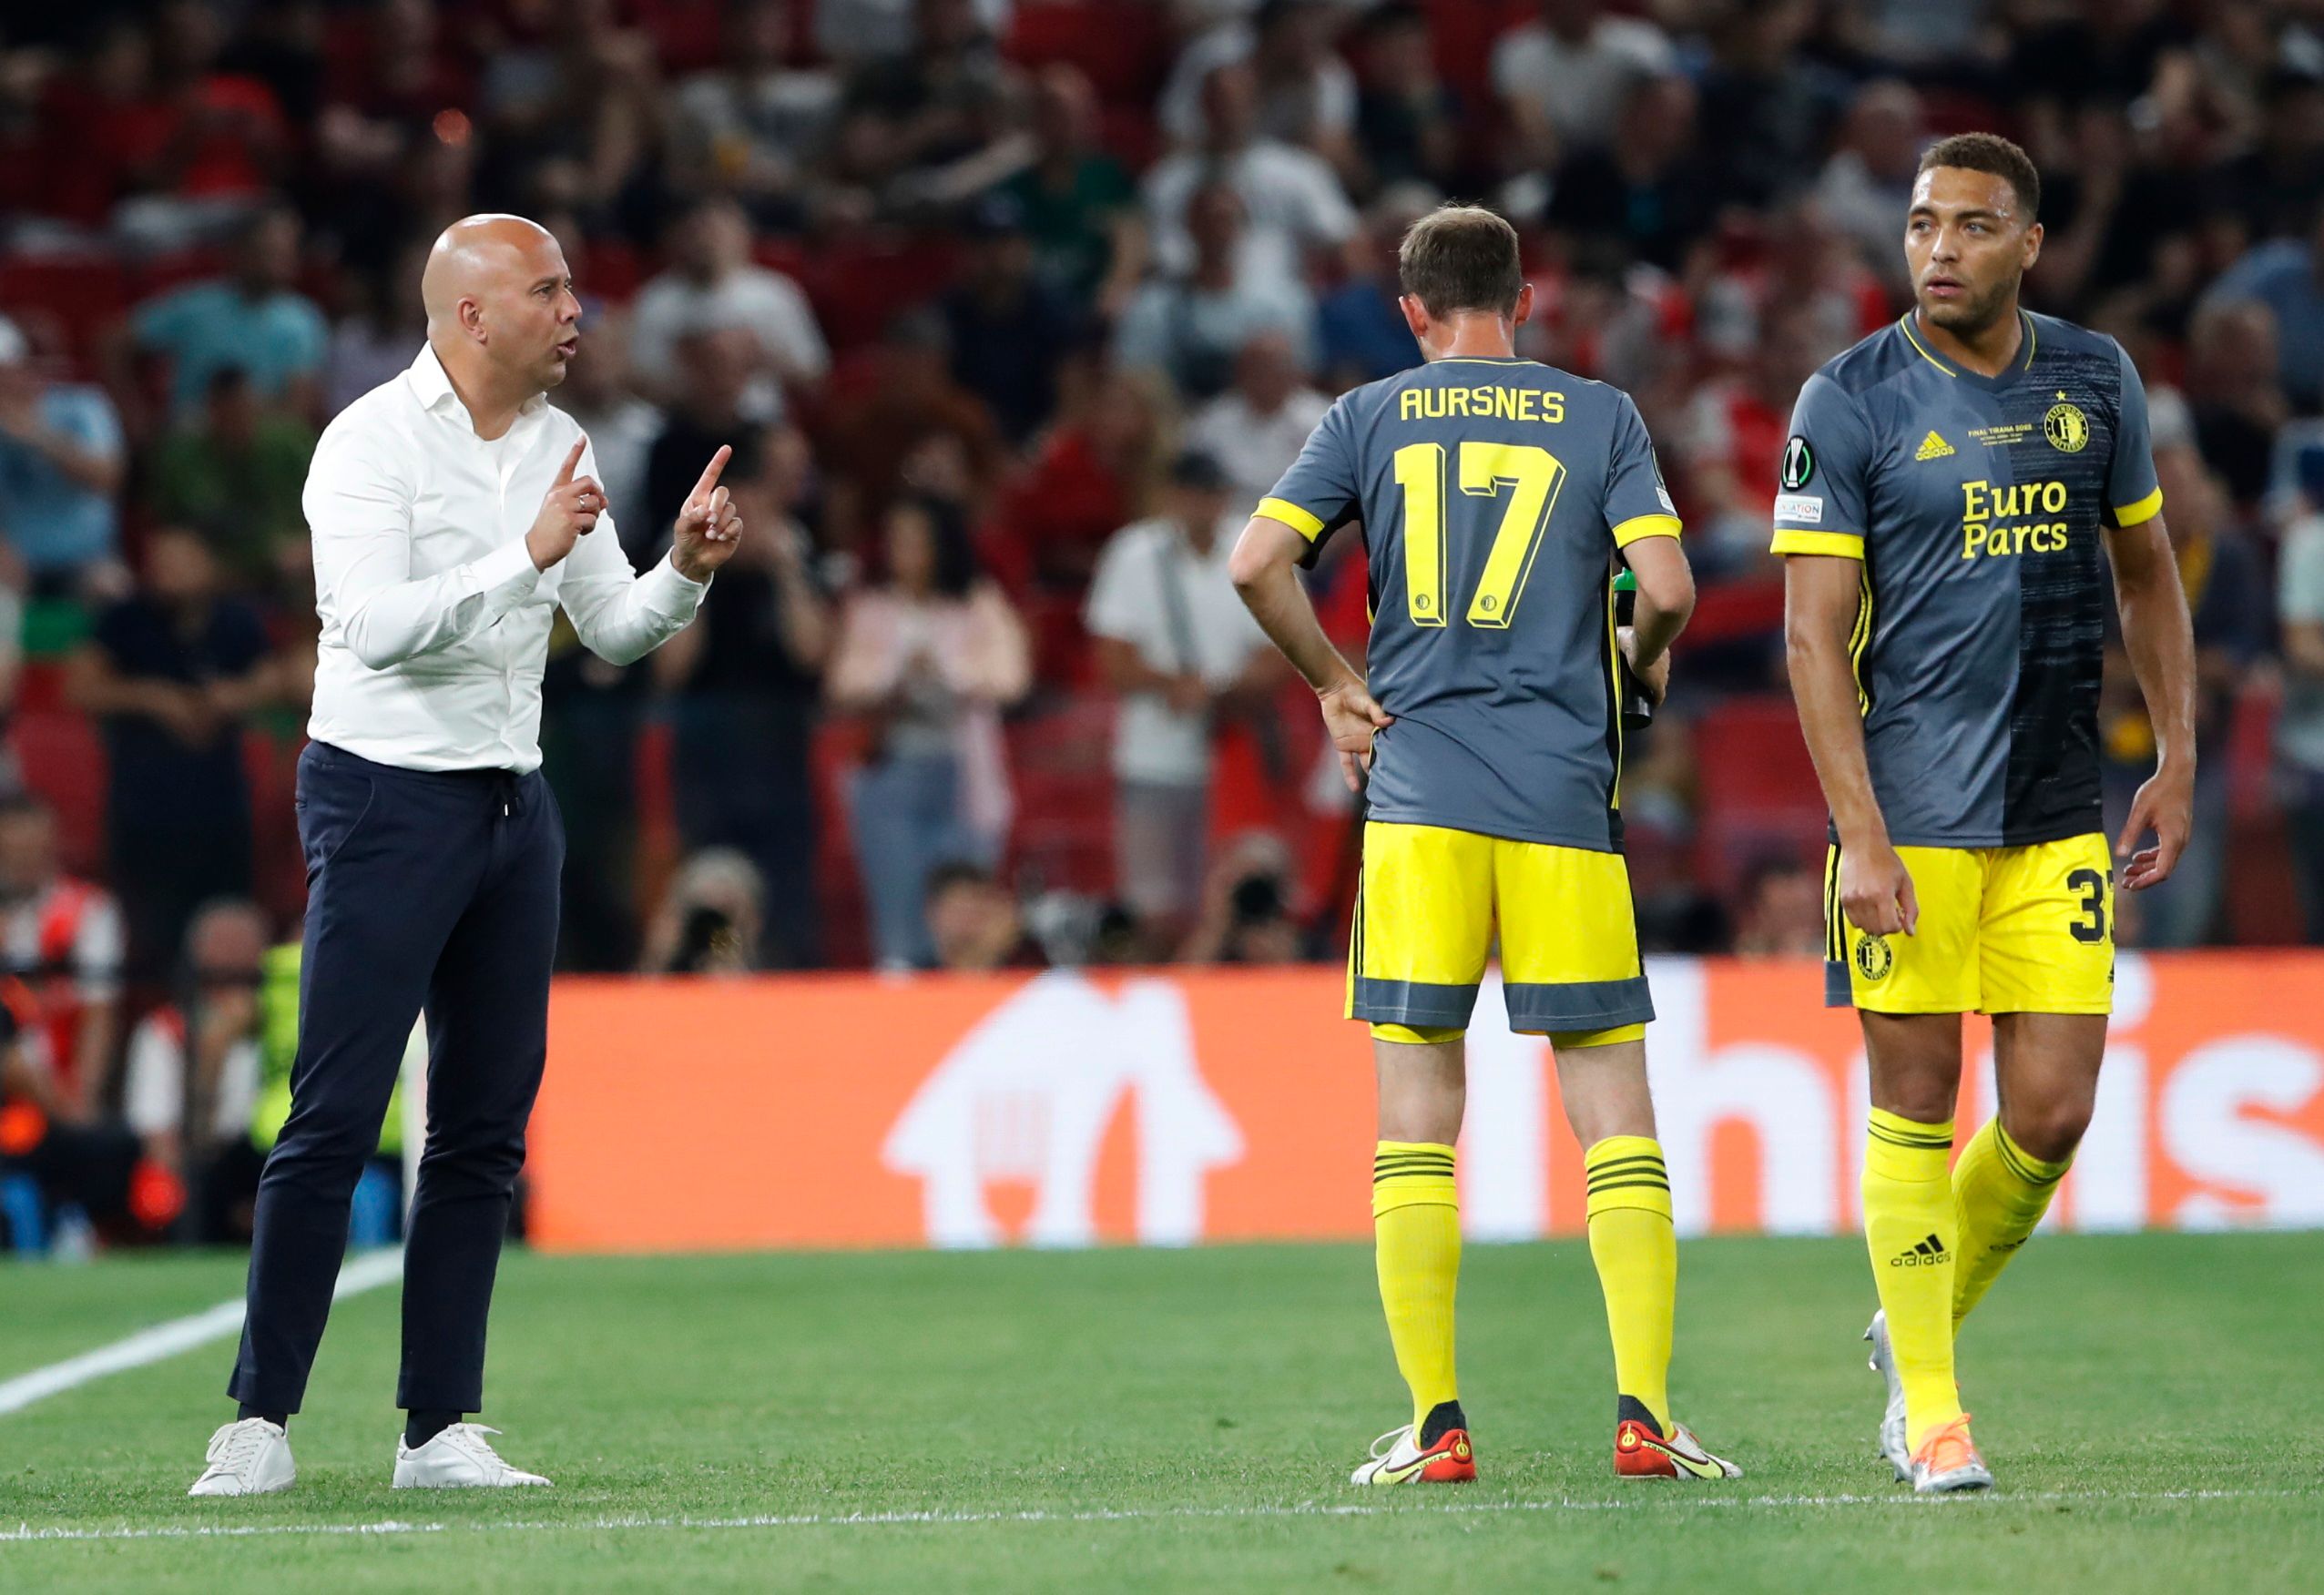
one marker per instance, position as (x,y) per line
(41,687)
(62,761)
(839,746)
(1760,795)
(1063,764)
(1465,32)
(271,765)
(859,284)
(687,34)
(82,293)
(164,272)
(2251,753)
(1123,48)
(614,271)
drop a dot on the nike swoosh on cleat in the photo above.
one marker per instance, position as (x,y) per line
(1700,1464)
(1419,1465)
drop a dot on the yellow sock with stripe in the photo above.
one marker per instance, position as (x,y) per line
(1636,1253)
(2000,1191)
(1416,1230)
(1909,1227)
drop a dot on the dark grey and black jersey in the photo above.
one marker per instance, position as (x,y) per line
(1975,504)
(1493,494)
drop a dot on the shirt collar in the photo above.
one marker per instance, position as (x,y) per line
(433,387)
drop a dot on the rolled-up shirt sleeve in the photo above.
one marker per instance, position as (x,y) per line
(357,504)
(618,614)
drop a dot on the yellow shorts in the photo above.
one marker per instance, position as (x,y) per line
(2001,931)
(1428,903)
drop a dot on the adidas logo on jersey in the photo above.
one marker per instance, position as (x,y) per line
(1934,447)
(1928,1254)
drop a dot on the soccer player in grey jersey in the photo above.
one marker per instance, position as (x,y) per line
(1495,496)
(1944,497)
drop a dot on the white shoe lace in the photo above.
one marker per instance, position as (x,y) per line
(235,1448)
(473,1441)
(1385,1446)
(470,1438)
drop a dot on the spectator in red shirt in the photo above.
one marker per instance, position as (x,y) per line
(915,403)
(203,144)
(1735,434)
(1092,475)
(63,938)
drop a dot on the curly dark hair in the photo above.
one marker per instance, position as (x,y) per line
(1991,153)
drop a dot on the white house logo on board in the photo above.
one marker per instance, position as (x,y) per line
(1026,1097)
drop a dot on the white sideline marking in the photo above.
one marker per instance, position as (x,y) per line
(26,1535)
(357,1274)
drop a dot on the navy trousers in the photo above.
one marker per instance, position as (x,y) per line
(423,890)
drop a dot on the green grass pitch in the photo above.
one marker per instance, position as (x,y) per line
(1121,1420)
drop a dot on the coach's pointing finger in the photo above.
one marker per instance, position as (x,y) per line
(708,528)
(701,496)
(569,509)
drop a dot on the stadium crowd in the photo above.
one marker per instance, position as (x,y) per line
(1011,309)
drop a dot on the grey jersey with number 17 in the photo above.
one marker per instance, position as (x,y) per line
(1493,494)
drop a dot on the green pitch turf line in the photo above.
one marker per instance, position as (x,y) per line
(1643,1499)
(163,1341)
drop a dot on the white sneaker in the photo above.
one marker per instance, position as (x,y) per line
(251,1456)
(1397,1458)
(459,1457)
(1893,1424)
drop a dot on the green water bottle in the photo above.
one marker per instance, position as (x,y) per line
(1637,709)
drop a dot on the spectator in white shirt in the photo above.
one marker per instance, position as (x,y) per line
(1174,640)
(1868,182)
(454,513)
(373,339)
(1257,428)
(753,125)
(712,285)
(1307,94)
(860,30)
(1561,79)
(1190,326)
(1291,196)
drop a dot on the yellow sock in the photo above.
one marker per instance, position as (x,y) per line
(2000,1191)
(1910,1227)
(1416,1227)
(1637,1253)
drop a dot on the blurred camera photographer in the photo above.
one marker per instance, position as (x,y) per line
(709,922)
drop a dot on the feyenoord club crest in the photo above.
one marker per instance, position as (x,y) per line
(2066,427)
(1799,464)
(1874,959)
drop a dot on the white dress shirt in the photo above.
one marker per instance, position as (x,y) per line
(435,625)
(1178,609)
(1256,448)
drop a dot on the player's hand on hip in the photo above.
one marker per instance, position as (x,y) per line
(1875,891)
(2164,806)
(709,528)
(1655,679)
(569,511)
(1351,718)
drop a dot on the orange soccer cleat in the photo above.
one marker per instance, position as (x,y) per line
(1449,1459)
(1641,1450)
(1946,1461)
